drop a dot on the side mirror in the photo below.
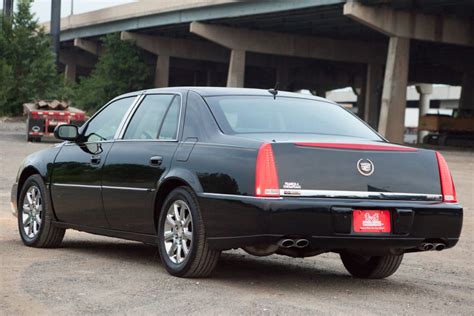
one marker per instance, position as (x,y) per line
(66,132)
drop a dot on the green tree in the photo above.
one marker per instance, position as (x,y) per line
(121,69)
(27,68)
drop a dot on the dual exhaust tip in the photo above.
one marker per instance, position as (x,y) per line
(432,246)
(290,243)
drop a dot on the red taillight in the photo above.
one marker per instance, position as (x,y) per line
(266,177)
(447,184)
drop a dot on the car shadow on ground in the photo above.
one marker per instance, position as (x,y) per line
(239,269)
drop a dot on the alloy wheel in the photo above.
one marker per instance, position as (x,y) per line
(32,212)
(178,232)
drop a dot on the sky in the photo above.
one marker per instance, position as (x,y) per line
(42,8)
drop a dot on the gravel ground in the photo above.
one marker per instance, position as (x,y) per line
(100,275)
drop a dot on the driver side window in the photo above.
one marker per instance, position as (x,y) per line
(105,124)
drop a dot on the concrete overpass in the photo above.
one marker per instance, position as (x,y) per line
(377,47)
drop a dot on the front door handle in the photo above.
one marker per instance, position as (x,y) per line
(95,160)
(156,160)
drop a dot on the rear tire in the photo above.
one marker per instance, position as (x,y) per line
(367,267)
(182,239)
(35,216)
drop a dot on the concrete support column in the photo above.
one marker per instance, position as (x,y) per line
(359,89)
(392,112)
(162,71)
(283,76)
(467,92)
(236,74)
(373,94)
(70,72)
(425,90)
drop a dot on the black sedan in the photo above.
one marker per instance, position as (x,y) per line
(199,170)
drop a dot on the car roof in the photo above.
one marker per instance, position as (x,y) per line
(222,91)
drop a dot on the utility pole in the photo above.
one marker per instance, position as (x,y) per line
(55,28)
(7,9)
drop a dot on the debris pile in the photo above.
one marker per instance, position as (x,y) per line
(51,104)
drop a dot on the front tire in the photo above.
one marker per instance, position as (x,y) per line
(35,216)
(182,238)
(371,267)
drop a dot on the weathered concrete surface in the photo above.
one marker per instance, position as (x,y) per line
(99,275)
(394,94)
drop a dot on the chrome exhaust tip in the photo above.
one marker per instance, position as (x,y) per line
(439,247)
(426,247)
(286,243)
(301,243)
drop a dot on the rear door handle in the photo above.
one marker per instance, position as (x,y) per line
(156,160)
(95,160)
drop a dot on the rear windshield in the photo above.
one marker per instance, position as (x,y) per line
(262,114)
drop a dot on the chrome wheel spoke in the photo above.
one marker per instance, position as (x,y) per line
(176,211)
(35,227)
(172,250)
(187,220)
(26,221)
(188,235)
(185,249)
(169,219)
(30,199)
(179,258)
(32,212)
(168,236)
(30,228)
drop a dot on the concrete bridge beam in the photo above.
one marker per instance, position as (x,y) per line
(92,47)
(412,24)
(165,48)
(72,60)
(290,44)
(392,112)
(181,48)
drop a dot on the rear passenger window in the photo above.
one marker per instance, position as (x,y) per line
(170,124)
(157,112)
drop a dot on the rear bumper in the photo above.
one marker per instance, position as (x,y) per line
(234,221)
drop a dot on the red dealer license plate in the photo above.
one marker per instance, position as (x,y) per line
(371,221)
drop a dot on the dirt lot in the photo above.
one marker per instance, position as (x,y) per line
(99,275)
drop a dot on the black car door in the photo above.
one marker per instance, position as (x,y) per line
(77,170)
(137,160)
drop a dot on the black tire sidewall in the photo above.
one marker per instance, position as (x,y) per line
(180,194)
(38,182)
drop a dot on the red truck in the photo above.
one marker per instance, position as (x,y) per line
(41,121)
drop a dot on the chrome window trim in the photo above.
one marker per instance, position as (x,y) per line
(89,143)
(129,118)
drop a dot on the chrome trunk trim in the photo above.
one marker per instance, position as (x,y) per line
(362,195)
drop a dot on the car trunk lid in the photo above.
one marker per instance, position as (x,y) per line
(368,169)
